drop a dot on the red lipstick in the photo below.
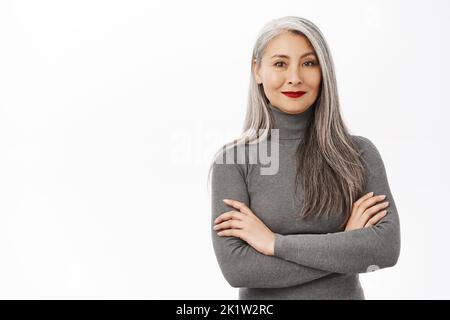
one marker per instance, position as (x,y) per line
(293,94)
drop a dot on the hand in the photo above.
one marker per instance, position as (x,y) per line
(244,224)
(365,213)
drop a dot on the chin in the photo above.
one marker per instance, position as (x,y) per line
(295,108)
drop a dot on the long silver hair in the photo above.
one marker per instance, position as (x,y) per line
(328,162)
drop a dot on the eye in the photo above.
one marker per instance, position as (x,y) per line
(309,63)
(313,63)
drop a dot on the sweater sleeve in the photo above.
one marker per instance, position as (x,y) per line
(355,251)
(240,263)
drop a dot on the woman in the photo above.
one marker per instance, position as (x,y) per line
(326,214)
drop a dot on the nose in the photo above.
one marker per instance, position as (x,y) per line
(294,76)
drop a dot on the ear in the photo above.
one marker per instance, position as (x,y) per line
(256,72)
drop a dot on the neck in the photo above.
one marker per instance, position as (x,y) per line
(291,126)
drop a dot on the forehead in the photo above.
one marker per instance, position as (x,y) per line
(288,44)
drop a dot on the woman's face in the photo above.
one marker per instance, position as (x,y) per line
(298,70)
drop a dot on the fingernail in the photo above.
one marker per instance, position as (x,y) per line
(226,200)
(371,194)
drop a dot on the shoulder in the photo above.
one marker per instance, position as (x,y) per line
(226,163)
(365,146)
(369,153)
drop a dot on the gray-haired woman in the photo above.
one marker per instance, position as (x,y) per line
(307,229)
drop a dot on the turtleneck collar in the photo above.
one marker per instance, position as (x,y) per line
(291,126)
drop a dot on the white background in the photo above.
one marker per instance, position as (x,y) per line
(110,112)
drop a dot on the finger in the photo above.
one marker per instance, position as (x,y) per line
(228,215)
(360,200)
(229,224)
(369,202)
(374,209)
(233,214)
(238,205)
(230,233)
(375,219)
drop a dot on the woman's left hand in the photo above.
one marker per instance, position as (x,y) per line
(244,224)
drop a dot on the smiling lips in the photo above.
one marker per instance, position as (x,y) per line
(293,94)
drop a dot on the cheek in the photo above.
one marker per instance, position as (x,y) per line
(274,80)
(314,79)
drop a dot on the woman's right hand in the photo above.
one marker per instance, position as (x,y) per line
(365,212)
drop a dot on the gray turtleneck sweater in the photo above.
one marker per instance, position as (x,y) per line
(313,258)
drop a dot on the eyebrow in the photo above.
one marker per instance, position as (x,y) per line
(286,56)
